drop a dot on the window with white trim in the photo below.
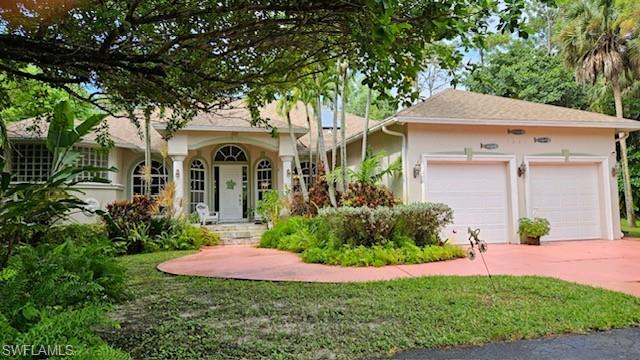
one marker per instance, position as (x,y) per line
(159,178)
(308,174)
(264,177)
(197,183)
(32,162)
(93,157)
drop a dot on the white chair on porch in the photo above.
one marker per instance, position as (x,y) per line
(205,215)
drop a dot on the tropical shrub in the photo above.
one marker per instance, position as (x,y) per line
(58,276)
(382,255)
(318,196)
(28,210)
(270,206)
(369,195)
(422,222)
(282,229)
(534,228)
(77,233)
(124,215)
(360,225)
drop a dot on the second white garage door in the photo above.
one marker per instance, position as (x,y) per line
(568,196)
(478,195)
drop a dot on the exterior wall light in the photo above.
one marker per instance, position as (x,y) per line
(416,170)
(522,169)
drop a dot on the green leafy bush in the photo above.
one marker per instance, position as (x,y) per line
(533,228)
(382,255)
(361,225)
(78,233)
(269,207)
(271,238)
(423,221)
(59,276)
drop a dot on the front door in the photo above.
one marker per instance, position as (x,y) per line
(230,192)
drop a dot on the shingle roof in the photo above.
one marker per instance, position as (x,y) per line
(458,106)
(236,117)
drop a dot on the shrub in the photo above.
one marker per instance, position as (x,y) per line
(382,255)
(124,215)
(534,228)
(297,205)
(360,226)
(405,234)
(269,207)
(423,221)
(289,226)
(77,233)
(59,276)
(369,195)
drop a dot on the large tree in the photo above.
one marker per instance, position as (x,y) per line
(524,70)
(598,44)
(200,54)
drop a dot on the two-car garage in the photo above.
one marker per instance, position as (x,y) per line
(484,193)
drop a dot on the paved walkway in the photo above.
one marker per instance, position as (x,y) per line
(615,344)
(612,264)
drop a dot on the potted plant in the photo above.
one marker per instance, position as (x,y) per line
(531,230)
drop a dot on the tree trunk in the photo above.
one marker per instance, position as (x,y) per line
(147,152)
(296,157)
(334,133)
(343,132)
(306,110)
(365,131)
(323,153)
(626,178)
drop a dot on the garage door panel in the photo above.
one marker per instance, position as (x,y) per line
(568,195)
(477,193)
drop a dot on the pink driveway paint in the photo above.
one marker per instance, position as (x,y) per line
(611,264)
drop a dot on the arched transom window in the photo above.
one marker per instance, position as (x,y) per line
(197,184)
(230,153)
(264,177)
(159,177)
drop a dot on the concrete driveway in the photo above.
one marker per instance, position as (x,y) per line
(611,264)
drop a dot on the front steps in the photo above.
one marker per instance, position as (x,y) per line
(239,234)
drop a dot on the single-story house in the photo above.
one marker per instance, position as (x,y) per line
(492,159)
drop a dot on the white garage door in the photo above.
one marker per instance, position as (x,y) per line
(569,197)
(477,193)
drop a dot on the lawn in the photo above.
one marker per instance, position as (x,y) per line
(628,230)
(177,317)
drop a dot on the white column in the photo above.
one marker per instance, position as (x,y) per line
(178,179)
(286,173)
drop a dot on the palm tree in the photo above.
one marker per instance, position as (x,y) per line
(369,172)
(284,106)
(343,124)
(321,87)
(594,44)
(365,130)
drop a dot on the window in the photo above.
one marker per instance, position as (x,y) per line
(264,177)
(159,177)
(308,174)
(230,153)
(93,157)
(31,162)
(198,182)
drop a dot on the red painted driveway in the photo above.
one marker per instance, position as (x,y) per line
(611,264)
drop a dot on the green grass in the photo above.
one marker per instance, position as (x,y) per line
(178,317)
(628,230)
